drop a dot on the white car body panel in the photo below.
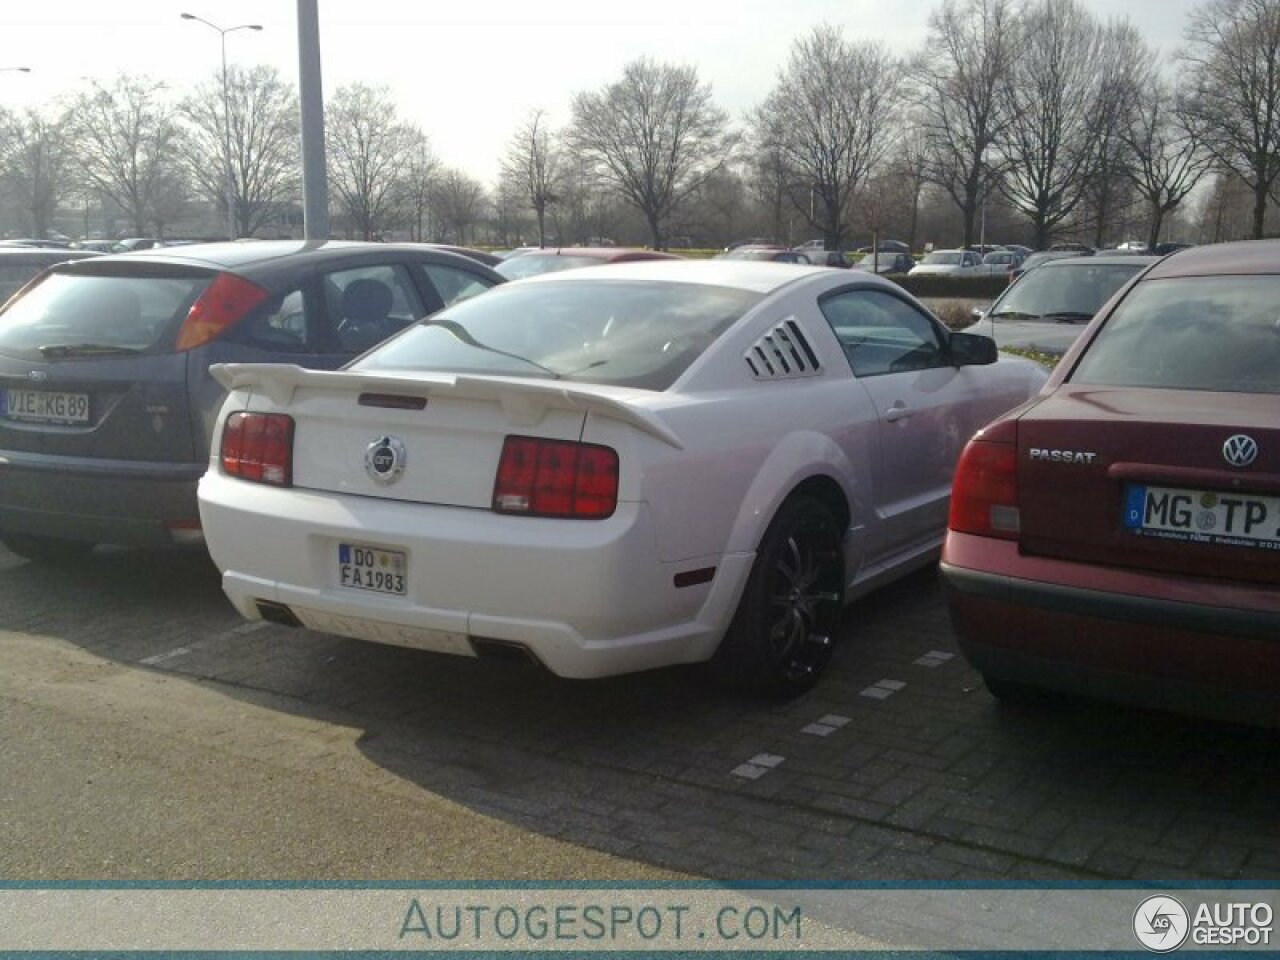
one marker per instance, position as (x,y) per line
(704,467)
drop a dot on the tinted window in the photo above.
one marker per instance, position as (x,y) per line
(944,257)
(368,304)
(1198,333)
(454,285)
(882,334)
(629,333)
(281,324)
(126,312)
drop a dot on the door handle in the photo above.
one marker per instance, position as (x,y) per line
(899,411)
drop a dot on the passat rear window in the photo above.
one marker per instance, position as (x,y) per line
(81,313)
(626,333)
(1191,333)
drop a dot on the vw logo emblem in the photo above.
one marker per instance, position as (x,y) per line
(1240,450)
(385,459)
(37,376)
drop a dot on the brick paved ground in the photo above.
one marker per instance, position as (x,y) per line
(899,766)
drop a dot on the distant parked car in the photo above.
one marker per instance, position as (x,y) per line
(106,403)
(479,256)
(948,263)
(1044,256)
(886,263)
(19,264)
(1048,309)
(620,468)
(553,260)
(766,254)
(1164,249)
(131,244)
(888,246)
(1118,537)
(998,263)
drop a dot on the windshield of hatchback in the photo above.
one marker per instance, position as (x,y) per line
(943,256)
(531,264)
(1071,293)
(626,333)
(1194,333)
(71,314)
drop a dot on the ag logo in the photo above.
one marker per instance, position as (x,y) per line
(1161,924)
(384,459)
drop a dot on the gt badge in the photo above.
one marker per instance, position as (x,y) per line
(385,459)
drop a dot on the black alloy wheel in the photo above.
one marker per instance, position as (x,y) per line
(782,634)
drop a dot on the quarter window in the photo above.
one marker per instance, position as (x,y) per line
(882,334)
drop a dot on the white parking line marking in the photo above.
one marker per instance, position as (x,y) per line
(833,720)
(162,657)
(883,689)
(757,766)
(819,730)
(934,658)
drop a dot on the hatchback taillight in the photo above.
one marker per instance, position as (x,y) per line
(258,447)
(984,496)
(556,478)
(224,302)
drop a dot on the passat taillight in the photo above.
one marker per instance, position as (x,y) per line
(258,447)
(556,478)
(224,302)
(984,495)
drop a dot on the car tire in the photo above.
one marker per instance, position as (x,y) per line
(45,549)
(781,636)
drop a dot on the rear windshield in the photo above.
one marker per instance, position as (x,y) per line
(625,333)
(530,264)
(80,314)
(1193,333)
(944,257)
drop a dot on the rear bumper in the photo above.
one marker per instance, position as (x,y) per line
(1197,646)
(131,503)
(584,598)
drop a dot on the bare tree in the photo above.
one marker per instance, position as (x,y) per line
(655,135)
(1233,49)
(1051,97)
(124,142)
(417,181)
(35,160)
(262,110)
(768,178)
(459,203)
(911,169)
(1168,159)
(533,168)
(965,66)
(369,149)
(829,117)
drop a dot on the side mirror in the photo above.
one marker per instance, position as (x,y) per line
(972,350)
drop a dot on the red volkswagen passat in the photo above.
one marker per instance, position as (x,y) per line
(1119,536)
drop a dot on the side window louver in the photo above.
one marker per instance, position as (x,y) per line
(782,353)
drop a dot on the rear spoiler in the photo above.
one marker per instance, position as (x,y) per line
(523,402)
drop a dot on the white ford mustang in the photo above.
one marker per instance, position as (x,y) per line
(608,470)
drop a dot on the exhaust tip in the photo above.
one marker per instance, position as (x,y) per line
(491,649)
(277,613)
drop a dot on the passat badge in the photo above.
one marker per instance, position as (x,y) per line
(384,459)
(1240,450)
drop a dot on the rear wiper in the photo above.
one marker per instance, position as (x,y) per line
(1068,316)
(464,335)
(1013,315)
(86,350)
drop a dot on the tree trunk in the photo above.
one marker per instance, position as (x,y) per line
(1259,209)
(542,225)
(655,231)
(1157,221)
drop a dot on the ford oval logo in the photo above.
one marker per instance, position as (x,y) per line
(1240,450)
(385,459)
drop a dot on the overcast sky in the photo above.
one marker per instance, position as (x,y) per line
(468,73)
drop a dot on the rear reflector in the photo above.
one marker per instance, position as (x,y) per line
(556,478)
(224,303)
(258,447)
(984,496)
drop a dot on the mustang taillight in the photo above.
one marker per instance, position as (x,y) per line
(224,302)
(984,496)
(258,447)
(556,478)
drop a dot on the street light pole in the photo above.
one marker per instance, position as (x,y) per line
(226,115)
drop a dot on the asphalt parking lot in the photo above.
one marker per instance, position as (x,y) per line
(898,767)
